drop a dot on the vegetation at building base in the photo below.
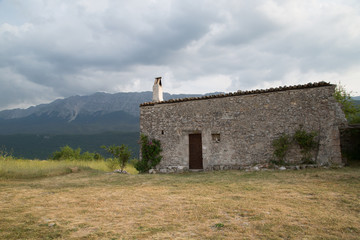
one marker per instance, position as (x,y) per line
(150,154)
(281,146)
(350,108)
(307,143)
(305,140)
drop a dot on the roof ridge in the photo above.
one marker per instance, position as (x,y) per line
(240,93)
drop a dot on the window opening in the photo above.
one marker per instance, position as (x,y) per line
(215,137)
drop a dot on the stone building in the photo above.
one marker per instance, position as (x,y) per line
(236,130)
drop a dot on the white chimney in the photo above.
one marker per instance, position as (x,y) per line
(157,90)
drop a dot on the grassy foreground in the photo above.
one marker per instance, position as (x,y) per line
(306,204)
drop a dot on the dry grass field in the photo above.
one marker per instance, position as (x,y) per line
(305,204)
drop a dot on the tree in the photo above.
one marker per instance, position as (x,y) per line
(351,110)
(121,153)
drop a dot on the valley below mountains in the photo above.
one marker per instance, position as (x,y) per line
(85,122)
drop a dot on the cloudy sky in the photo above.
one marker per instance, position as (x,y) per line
(58,48)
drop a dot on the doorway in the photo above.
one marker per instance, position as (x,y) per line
(195,151)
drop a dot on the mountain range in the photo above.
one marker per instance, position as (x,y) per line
(92,114)
(85,122)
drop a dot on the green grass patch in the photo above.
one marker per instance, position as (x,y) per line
(20,168)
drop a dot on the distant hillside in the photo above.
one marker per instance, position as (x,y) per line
(97,113)
(38,146)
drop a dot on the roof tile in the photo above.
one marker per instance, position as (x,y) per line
(240,93)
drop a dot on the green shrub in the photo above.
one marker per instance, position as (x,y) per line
(306,142)
(150,154)
(6,155)
(281,146)
(97,156)
(87,156)
(142,166)
(121,154)
(67,153)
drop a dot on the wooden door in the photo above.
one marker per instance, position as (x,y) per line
(195,151)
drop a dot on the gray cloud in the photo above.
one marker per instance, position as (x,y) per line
(52,49)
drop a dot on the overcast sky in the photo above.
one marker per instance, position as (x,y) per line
(58,48)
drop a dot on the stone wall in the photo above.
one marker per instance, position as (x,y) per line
(237,130)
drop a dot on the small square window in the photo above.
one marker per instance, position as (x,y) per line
(215,137)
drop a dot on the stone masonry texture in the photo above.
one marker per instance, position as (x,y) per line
(237,129)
